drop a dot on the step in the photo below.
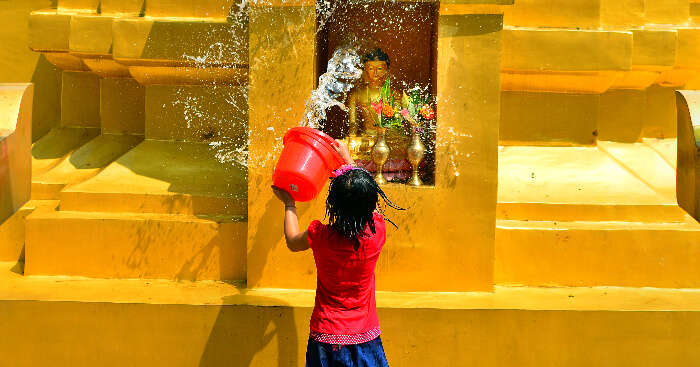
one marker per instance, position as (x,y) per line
(669,213)
(12,229)
(666,148)
(131,245)
(563,119)
(57,145)
(667,11)
(216,9)
(653,52)
(197,113)
(122,7)
(555,13)
(563,60)
(171,41)
(546,253)
(608,182)
(549,119)
(179,50)
(137,322)
(163,177)
(81,164)
(687,63)
(590,14)
(695,11)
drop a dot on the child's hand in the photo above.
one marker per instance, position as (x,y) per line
(283,196)
(344,152)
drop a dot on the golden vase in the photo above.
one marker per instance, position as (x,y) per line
(380,154)
(414,154)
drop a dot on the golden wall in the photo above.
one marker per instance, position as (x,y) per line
(20,65)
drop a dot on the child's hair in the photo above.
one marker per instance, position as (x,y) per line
(352,198)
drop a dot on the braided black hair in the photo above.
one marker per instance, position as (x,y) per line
(352,199)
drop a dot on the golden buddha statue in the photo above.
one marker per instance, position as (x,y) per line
(363,125)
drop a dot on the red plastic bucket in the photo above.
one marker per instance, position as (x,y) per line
(306,162)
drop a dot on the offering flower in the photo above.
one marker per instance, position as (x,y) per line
(387,114)
(418,110)
(378,106)
(406,114)
(427,112)
(388,111)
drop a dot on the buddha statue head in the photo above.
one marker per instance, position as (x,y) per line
(376,67)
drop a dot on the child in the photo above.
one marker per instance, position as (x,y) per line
(344,324)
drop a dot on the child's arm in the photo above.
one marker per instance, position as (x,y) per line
(296,240)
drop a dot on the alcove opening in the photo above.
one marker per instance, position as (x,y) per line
(407,33)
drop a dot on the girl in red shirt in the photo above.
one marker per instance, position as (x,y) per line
(344,328)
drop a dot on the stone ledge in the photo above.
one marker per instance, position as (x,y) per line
(667,11)
(91,35)
(83,163)
(653,52)
(667,213)
(171,42)
(12,230)
(694,10)
(205,9)
(687,65)
(243,333)
(535,49)
(586,14)
(163,177)
(555,13)
(197,113)
(163,292)
(580,254)
(78,6)
(57,144)
(49,31)
(121,7)
(563,60)
(605,175)
(135,245)
(654,48)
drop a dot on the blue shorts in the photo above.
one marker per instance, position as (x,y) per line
(369,354)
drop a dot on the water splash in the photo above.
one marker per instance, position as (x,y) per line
(344,69)
(374,19)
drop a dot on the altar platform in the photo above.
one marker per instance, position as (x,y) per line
(114,322)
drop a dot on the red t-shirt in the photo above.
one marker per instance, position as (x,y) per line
(345,301)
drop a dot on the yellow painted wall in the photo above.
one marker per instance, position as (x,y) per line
(19,64)
(110,334)
(15,147)
(417,257)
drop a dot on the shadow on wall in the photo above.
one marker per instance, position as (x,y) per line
(254,335)
(46,111)
(262,239)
